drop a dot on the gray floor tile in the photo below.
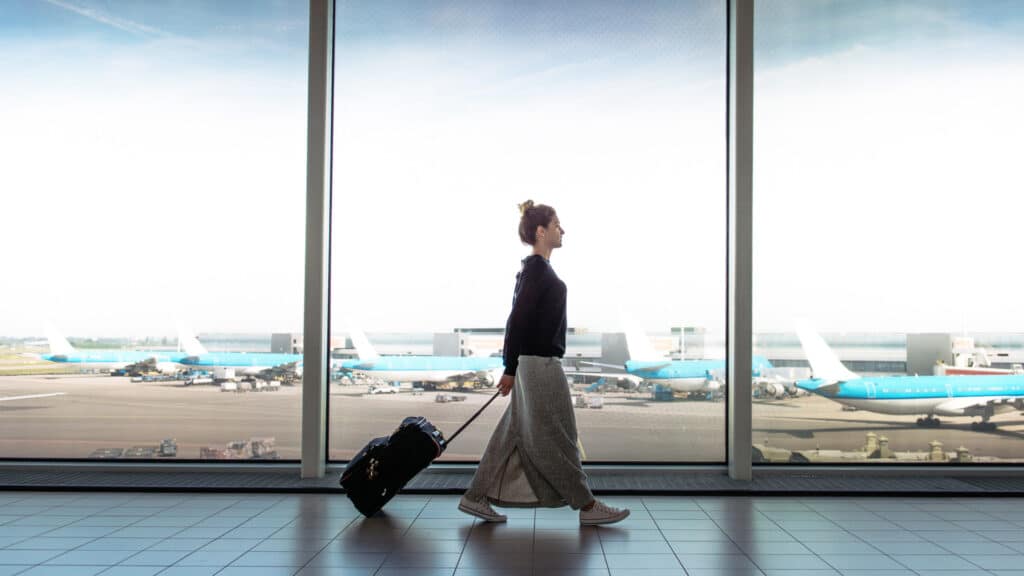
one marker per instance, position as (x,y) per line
(1000,562)
(43,543)
(872,536)
(132,570)
(208,533)
(190,571)
(259,571)
(91,557)
(932,563)
(978,548)
(230,545)
(770,548)
(297,558)
(918,548)
(760,535)
(841,548)
(619,533)
(696,535)
(717,547)
(250,533)
(900,572)
(822,536)
(30,531)
(283,544)
(119,544)
(962,536)
(510,571)
(210,558)
(155,558)
(63,571)
(793,562)
(724,572)
(716,561)
(334,558)
(30,557)
(843,562)
(792,572)
(336,571)
(189,544)
(566,562)
(565,546)
(648,561)
(636,547)
(435,560)
(642,572)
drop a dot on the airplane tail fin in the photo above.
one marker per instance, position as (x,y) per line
(825,365)
(189,343)
(364,349)
(638,345)
(59,345)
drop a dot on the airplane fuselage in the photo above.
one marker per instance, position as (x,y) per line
(686,375)
(113,359)
(243,362)
(930,395)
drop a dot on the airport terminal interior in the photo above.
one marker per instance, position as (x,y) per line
(250,245)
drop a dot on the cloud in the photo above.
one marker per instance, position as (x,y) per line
(114,21)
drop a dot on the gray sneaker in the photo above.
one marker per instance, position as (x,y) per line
(601,513)
(481,509)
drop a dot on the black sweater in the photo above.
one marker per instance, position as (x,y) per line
(537,324)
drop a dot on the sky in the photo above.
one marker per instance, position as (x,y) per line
(154,163)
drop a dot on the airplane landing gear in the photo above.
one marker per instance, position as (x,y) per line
(983,426)
(929,422)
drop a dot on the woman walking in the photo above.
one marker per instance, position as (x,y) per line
(532,459)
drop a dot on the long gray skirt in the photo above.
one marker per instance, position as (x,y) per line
(532,458)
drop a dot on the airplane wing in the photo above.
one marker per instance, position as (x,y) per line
(30,396)
(976,406)
(636,380)
(651,367)
(616,366)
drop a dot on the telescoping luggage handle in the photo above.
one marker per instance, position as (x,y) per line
(470,421)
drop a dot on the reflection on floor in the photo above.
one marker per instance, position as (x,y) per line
(204,534)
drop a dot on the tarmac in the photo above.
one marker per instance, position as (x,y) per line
(103,412)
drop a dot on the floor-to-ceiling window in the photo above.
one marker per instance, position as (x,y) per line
(447,115)
(153,169)
(887,204)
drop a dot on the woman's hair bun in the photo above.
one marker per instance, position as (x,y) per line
(525,206)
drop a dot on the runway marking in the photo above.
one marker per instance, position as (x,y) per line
(30,396)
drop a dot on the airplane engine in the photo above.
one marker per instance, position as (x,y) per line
(714,385)
(492,377)
(776,389)
(167,367)
(627,384)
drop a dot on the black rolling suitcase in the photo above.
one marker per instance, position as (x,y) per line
(387,463)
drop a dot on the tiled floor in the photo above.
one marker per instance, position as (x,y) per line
(269,535)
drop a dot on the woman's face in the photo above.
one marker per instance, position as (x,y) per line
(553,233)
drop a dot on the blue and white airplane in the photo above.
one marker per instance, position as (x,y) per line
(931,396)
(197,357)
(62,352)
(431,369)
(684,376)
